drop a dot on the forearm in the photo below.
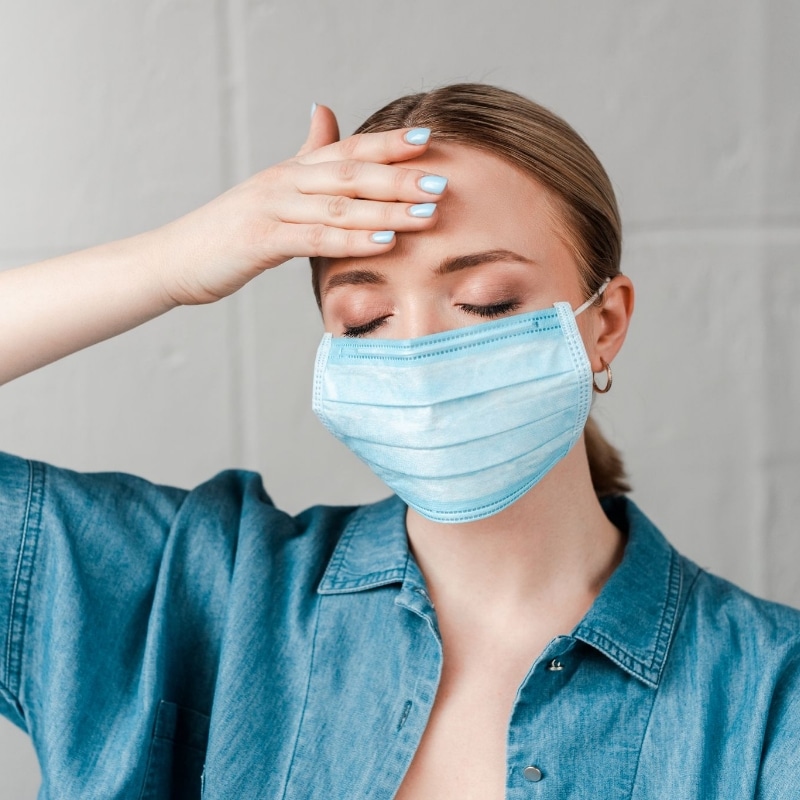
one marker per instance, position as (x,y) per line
(56,307)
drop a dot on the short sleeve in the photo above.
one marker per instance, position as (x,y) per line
(79,556)
(17,546)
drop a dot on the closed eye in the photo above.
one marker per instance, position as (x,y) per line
(368,327)
(485,311)
(494,310)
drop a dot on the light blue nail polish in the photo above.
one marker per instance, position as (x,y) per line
(433,184)
(422,210)
(313,109)
(418,136)
(382,237)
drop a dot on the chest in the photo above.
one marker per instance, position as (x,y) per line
(462,752)
(426,715)
(377,709)
(362,703)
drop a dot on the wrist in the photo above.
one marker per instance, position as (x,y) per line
(174,257)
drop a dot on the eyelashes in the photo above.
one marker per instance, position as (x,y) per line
(367,327)
(494,310)
(486,311)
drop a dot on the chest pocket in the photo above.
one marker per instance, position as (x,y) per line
(177,754)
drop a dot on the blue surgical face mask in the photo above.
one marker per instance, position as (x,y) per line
(460,424)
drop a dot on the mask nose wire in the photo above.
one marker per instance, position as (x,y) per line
(581,308)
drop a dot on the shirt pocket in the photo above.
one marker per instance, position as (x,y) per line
(177,754)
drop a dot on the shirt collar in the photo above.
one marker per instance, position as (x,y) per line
(372,551)
(632,620)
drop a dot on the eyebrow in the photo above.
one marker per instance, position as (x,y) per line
(353,277)
(358,277)
(457,263)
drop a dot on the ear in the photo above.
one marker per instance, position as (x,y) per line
(611,322)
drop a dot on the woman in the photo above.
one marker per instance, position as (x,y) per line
(512,627)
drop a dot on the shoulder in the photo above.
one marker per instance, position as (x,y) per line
(98,514)
(751,649)
(95,559)
(711,611)
(730,683)
(44,490)
(38,481)
(238,498)
(709,627)
(747,650)
(751,626)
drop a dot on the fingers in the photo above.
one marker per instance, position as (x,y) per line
(332,242)
(380,148)
(344,198)
(323,130)
(365,215)
(361,196)
(351,178)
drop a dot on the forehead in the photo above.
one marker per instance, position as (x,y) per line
(489,204)
(486,195)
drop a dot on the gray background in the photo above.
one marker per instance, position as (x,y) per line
(118,116)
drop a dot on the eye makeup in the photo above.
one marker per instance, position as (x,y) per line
(492,310)
(368,327)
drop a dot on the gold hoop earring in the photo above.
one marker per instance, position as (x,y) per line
(609,378)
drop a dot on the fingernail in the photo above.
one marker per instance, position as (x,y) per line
(418,136)
(313,110)
(382,237)
(433,184)
(422,210)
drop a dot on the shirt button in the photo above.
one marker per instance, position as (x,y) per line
(555,665)
(533,774)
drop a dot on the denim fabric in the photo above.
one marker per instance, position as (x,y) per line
(157,643)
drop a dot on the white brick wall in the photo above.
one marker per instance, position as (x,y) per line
(120,116)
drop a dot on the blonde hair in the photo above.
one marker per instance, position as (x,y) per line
(544,146)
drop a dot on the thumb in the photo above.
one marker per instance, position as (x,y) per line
(324,129)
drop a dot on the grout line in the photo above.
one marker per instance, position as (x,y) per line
(755,32)
(733,224)
(234,152)
(721,234)
(227,135)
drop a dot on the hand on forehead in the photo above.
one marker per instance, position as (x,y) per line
(490,207)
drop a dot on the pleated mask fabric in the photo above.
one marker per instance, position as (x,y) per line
(460,424)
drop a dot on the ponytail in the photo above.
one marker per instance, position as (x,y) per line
(605,462)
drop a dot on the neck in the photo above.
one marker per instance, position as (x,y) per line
(553,548)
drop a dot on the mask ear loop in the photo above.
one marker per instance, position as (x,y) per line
(581,308)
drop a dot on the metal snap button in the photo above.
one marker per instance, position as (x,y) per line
(555,665)
(533,774)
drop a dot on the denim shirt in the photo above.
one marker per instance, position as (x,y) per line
(157,643)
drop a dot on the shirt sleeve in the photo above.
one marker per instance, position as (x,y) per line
(16,556)
(780,759)
(79,558)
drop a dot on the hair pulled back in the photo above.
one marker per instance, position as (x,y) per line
(545,147)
